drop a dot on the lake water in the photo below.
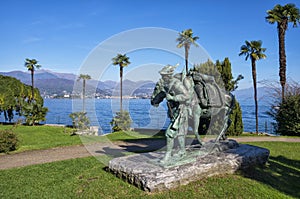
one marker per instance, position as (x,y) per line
(101,111)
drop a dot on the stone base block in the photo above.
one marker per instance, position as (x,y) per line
(144,170)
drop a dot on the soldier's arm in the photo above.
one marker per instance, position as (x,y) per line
(189,85)
(182,94)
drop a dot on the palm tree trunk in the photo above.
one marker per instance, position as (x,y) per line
(255,93)
(32,84)
(121,88)
(282,56)
(83,96)
(186,58)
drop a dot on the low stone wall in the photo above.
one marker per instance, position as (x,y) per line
(93,130)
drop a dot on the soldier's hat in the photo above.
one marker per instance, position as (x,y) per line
(168,70)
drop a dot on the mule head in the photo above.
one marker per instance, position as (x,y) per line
(158,95)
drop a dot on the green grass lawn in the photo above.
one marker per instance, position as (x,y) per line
(282,171)
(86,178)
(42,137)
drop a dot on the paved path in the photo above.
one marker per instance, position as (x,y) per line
(266,139)
(69,152)
(79,151)
(42,156)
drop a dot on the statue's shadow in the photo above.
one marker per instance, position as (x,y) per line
(123,148)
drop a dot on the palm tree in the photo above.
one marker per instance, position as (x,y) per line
(122,61)
(253,50)
(283,15)
(32,65)
(84,78)
(185,40)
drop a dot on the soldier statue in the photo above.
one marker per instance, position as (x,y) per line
(178,93)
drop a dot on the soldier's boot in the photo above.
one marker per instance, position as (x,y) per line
(170,144)
(181,140)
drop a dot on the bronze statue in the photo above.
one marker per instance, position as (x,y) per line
(188,98)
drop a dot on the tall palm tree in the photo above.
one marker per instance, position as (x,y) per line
(32,65)
(283,15)
(185,39)
(122,61)
(255,51)
(84,78)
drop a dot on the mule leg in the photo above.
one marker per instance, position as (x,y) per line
(196,121)
(225,127)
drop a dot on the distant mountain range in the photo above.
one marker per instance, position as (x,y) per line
(52,83)
(264,94)
(59,84)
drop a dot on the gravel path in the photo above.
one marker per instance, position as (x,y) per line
(63,153)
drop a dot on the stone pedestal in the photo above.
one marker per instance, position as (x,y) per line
(145,171)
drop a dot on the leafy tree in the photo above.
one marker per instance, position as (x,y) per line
(282,15)
(83,78)
(255,51)
(221,71)
(186,39)
(122,61)
(15,97)
(211,69)
(12,93)
(225,70)
(230,84)
(121,122)
(32,65)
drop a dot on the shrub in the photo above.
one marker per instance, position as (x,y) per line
(34,112)
(287,116)
(8,141)
(287,113)
(121,122)
(80,120)
(236,127)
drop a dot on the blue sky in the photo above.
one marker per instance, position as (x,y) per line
(62,34)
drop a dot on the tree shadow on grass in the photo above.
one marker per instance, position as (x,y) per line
(280,173)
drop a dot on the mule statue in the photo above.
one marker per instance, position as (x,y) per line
(193,97)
